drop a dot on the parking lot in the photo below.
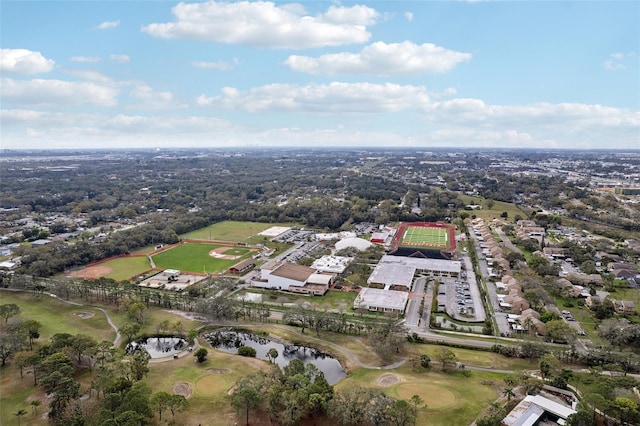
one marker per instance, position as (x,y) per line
(460,298)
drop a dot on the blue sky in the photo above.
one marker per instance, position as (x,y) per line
(123,74)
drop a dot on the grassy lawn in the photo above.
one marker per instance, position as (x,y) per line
(196,258)
(230,230)
(55,317)
(583,315)
(127,267)
(475,357)
(59,317)
(495,211)
(336,299)
(450,398)
(209,382)
(626,293)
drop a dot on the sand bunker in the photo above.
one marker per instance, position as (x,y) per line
(388,380)
(218,370)
(84,315)
(182,389)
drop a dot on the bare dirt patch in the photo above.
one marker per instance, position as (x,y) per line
(84,315)
(219,254)
(183,389)
(92,272)
(388,380)
(218,370)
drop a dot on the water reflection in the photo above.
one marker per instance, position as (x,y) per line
(229,341)
(159,346)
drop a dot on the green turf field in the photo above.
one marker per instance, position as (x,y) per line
(418,236)
(191,257)
(230,230)
(126,267)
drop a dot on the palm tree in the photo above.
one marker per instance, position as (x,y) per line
(21,412)
(35,404)
(509,393)
(272,354)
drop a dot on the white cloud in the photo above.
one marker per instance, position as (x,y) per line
(610,65)
(23,61)
(146,98)
(121,59)
(90,75)
(86,59)
(336,97)
(453,123)
(543,114)
(617,61)
(68,130)
(55,92)
(217,65)
(107,25)
(450,91)
(266,24)
(382,59)
(408,16)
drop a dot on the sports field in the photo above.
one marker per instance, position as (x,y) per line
(201,258)
(229,230)
(419,236)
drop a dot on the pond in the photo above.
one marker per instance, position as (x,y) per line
(159,347)
(229,341)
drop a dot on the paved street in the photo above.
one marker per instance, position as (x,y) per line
(501,317)
(412,314)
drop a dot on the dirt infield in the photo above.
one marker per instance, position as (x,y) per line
(219,254)
(92,272)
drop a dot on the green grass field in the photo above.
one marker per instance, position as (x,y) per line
(209,382)
(57,316)
(195,258)
(449,398)
(497,208)
(230,230)
(416,236)
(127,267)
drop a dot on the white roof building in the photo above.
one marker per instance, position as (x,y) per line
(379,300)
(358,243)
(335,235)
(530,409)
(332,264)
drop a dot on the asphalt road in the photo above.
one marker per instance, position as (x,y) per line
(501,317)
(412,314)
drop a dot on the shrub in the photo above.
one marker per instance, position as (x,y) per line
(201,355)
(424,361)
(247,351)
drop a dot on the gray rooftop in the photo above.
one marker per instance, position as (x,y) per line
(440,265)
(392,274)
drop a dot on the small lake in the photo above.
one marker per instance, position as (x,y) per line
(159,347)
(228,341)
